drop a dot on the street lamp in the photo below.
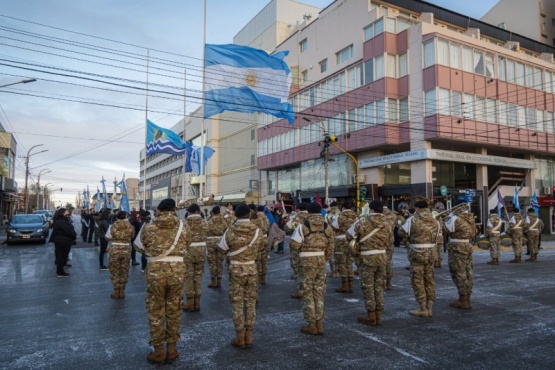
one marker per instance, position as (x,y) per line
(19,82)
(38,184)
(44,203)
(25,196)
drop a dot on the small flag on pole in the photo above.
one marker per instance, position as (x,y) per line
(500,203)
(516,204)
(534,203)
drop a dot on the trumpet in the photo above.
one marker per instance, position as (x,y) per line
(444,214)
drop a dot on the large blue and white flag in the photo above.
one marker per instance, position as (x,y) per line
(98,204)
(161,140)
(534,203)
(244,79)
(192,163)
(106,205)
(516,204)
(124,200)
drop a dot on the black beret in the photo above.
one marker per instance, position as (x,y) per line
(167,204)
(216,210)
(193,208)
(242,210)
(145,214)
(252,206)
(421,204)
(531,210)
(333,204)
(313,207)
(302,206)
(515,209)
(376,205)
(121,215)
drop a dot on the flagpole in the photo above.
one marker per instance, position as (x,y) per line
(203,88)
(146,131)
(184,137)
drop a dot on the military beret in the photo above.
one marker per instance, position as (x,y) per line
(193,208)
(121,215)
(376,205)
(242,210)
(421,204)
(313,207)
(216,210)
(348,204)
(252,206)
(167,204)
(302,206)
(145,214)
(333,204)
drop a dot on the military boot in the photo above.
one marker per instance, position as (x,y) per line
(437,264)
(378,317)
(344,286)
(171,353)
(350,284)
(122,291)
(535,256)
(320,326)
(310,329)
(297,295)
(460,303)
(368,320)
(157,356)
(429,305)
(492,262)
(422,312)
(190,307)
(248,337)
(468,306)
(196,303)
(115,294)
(388,284)
(239,340)
(213,284)
(218,282)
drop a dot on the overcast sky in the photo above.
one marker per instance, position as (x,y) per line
(87,106)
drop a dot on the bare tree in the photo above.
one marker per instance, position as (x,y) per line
(79,200)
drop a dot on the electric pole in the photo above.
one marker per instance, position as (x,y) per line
(26,194)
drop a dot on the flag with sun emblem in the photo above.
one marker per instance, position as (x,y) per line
(161,140)
(244,79)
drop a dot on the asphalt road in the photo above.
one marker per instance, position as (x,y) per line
(71,323)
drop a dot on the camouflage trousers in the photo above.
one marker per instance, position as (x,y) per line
(343,258)
(439,250)
(422,281)
(313,288)
(494,245)
(389,266)
(119,264)
(533,241)
(372,282)
(164,285)
(517,243)
(262,258)
(194,271)
(215,257)
(294,260)
(243,293)
(460,267)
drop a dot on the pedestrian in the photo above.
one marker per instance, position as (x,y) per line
(280,223)
(493,232)
(516,225)
(102,230)
(63,236)
(121,234)
(373,235)
(96,219)
(135,221)
(533,228)
(90,221)
(165,241)
(241,242)
(84,225)
(145,219)
(216,229)
(195,257)
(423,233)
(343,257)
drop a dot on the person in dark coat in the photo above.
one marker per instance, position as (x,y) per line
(63,236)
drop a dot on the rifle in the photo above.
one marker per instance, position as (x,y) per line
(220,201)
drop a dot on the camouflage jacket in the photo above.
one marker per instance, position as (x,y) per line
(198,228)
(217,225)
(122,232)
(494,222)
(238,236)
(263,223)
(158,236)
(390,219)
(345,220)
(516,224)
(229,217)
(332,214)
(294,222)
(533,225)
(381,238)
(460,226)
(421,230)
(314,235)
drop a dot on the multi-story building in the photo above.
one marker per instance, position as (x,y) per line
(534,18)
(8,186)
(429,101)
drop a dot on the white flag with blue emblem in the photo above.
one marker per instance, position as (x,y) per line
(244,79)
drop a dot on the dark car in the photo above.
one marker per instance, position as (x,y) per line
(27,227)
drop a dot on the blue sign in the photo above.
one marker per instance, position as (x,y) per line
(466,198)
(470,192)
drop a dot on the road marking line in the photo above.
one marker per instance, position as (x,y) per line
(401,351)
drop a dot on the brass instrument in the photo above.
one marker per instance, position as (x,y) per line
(446,213)
(353,248)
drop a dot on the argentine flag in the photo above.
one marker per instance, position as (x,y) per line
(161,140)
(244,79)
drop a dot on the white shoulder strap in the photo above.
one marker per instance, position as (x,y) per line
(240,250)
(172,247)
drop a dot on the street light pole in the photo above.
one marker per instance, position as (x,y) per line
(25,195)
(38,184)
(20,82)
(45,192)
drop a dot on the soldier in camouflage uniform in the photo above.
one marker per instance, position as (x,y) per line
(533,228)
(262,260)
(241,242)
(122,232)
(195,258)
(516,225)
(332,214)
(373,236)
(165,242)
(216,228)
(229,216)
(391,219)
(423,232)
(314,239)
(439,207)
(493,232)
(343,257)
(290,227)
(461,228)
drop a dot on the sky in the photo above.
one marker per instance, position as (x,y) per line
(87,107)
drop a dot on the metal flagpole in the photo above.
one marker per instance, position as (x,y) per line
(183,174)
(146,131)
(203,87)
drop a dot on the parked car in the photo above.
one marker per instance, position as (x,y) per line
(47,215)
(27,228)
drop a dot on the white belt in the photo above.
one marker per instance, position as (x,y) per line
(418,246)
(517,227)
(265,235)
(532,229)
(373,251)
(496,232)
(213,237)
(458,240)
(340,236)
(311,254)
(241,263)
(198,244)
(126,244)
(166,259)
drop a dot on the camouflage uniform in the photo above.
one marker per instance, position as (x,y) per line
(332,214)
(493,232)
(313,239)
(439,245)
(423,232)
(164,275)
(533,227)
(242,242)
(373,234)
(262,260)
(195,258)
(216,228)
(391,219)
(516,226)
(461,228)
(291,225)
(122,234)
(343,257)
(229,218)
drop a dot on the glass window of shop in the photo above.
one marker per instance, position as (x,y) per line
(160,194)
(271,182)
(289,180)
(454,174)
(397,174)
(544,172)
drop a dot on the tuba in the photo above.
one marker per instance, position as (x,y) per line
(354,248)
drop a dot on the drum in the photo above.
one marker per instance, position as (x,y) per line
(482,242)
(506,240)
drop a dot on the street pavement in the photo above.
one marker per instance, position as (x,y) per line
(71,323)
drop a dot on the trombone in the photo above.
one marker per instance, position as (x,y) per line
(444,214)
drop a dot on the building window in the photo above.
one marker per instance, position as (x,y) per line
(379,67)
(403,65)
(324,65)
(368,71)
(404,110)
(304,75)
(344,54)
(430,108)
(252,159)
(429,54)
(303,45)
(252,134)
